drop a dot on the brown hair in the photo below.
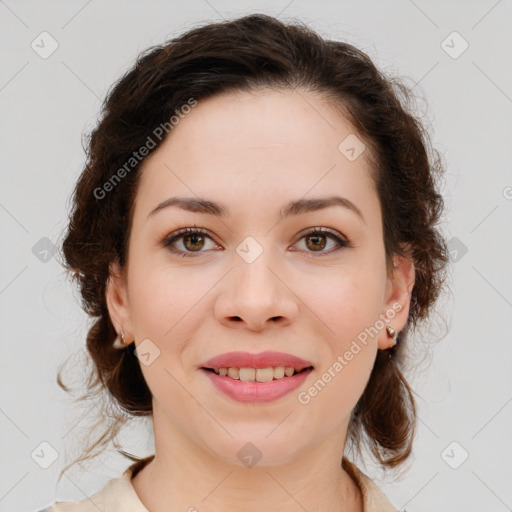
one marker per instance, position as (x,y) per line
(245,53)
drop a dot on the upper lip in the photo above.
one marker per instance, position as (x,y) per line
(260,360)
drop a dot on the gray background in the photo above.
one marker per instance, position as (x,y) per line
(464,390)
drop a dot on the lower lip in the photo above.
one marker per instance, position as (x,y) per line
(256,392)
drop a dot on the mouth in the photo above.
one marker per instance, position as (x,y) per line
(256,377)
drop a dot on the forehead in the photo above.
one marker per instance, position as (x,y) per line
(255,148)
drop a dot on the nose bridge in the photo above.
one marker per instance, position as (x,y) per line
(256,293)
(255,282)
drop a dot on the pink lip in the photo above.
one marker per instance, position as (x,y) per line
(256,391)
(261,360)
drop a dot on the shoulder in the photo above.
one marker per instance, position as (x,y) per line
(90,504)
(374,500)
(118,495)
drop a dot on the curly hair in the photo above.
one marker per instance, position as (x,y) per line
(243,54)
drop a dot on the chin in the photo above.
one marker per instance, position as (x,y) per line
(247,451)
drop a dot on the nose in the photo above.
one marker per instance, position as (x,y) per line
(256,297)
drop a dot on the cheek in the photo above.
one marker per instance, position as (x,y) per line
(348,307)
(338,388)
(346,300)
(166,300)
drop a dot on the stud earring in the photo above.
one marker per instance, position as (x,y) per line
(119,342)
(392,334)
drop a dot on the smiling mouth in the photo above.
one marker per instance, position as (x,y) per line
(258,374)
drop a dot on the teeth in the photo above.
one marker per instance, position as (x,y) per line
(247,373)
(234,373)
(289,372)
(264,374)
(256,374)
(279,372)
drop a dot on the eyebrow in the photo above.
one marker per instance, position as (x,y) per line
(297,207)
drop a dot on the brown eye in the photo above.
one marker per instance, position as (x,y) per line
(193,242)
(315,242)
(188,242)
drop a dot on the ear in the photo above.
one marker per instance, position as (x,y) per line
(116,296)
(398,297)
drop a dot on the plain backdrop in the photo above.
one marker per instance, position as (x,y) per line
(457,55)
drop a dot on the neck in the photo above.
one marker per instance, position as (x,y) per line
(185,476)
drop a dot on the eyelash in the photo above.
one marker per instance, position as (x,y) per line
(169,240)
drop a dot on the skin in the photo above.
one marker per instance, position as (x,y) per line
(254,152)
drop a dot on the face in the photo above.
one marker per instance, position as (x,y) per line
(310,284)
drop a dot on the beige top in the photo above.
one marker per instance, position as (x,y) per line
(118,494)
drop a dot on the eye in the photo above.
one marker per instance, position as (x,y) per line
(316,240)
(192,239)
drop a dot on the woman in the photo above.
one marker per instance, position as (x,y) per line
(255,237)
